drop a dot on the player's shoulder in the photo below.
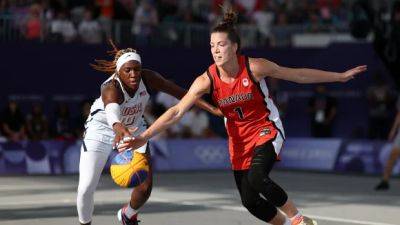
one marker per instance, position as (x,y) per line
(111,84)
(257,63)
(112,89)
(203,78)
(261,67)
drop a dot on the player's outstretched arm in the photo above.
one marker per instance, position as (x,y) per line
(159,83)
(199,87)
(112,96)
(262,68)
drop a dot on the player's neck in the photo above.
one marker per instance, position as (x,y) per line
(131,92)
(230,68)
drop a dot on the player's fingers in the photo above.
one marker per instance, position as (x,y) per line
(123,146)
(127,139)
(360,69)
(120,149)
(133,130)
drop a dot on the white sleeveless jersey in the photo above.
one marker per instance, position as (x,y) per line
(132,110)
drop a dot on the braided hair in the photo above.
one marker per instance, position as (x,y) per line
(107,66)
(227,25)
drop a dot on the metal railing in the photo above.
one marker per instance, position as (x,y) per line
(171,34)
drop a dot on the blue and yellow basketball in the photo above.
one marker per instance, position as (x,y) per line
(129,169)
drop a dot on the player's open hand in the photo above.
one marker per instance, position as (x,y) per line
(120,132)
(349,74)
(131,143)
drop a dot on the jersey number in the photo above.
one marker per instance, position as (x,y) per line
(239,111)
(128,121)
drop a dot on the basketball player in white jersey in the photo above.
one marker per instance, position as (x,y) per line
(123,100)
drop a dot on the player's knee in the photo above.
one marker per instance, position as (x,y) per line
(85,190)
(274,193)
(263,184)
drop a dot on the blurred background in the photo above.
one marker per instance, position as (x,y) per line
(48,86)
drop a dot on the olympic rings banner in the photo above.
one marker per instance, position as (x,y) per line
(326,155)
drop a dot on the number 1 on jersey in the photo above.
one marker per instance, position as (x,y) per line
(239,111)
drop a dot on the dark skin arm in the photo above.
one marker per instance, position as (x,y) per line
(159,83)
(111,93)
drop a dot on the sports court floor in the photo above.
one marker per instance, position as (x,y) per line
(199,198)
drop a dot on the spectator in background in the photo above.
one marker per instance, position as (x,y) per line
(89,29)
(145,22)
(322,108)
(106,15)
(166,100)
(199,124)
(182,128)
(62,125)
(281,98)
(37,123)
(13,122)
(325,13)
(150,115)
(33,26)
(62,29)
(263,18)
(379,96)
(49,9)
(170,12)
(4,8)
(313,24)
(394,136)
(200,11)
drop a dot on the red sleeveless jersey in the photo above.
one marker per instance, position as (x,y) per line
(245,105)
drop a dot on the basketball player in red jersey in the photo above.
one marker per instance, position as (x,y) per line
(255,131)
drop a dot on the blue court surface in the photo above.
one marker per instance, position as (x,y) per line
(199,198)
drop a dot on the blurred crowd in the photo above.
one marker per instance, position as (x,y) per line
(90,21)
(61,123)
(65,122)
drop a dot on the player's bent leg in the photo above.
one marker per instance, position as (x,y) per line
(264,210)
(262,162)
(252,201)
(90,167)
(128,215)
(258,176)
(141,193)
